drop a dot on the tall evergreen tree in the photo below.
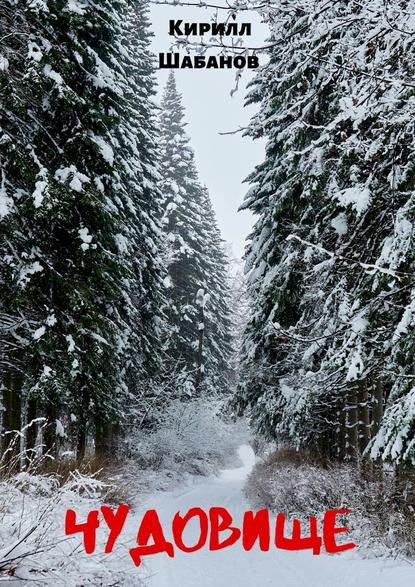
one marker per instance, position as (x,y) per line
(198,306)
(78,203)
(217,315)
(330,255)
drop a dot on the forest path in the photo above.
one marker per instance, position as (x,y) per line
(233,567)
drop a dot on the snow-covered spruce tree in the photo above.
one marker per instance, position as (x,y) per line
(78,233)
(296,103)
(388,117)
(217,312)
(322,343)
(366,225)
(137,146)
(197,309)
(240,307)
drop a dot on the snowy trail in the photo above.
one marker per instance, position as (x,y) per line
(235,567)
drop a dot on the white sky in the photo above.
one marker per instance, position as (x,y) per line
(223,161)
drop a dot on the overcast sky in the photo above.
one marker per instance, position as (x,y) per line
(223,161)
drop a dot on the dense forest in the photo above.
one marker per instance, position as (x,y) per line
(114,277)
(114,287)
(129,338)
(328,353)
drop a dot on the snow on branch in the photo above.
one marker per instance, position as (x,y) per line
(369,267)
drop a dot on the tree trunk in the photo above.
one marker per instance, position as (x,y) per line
(11,415)
(105,435)
(81,443)
(377,416)
(341,430)
(50,440)
(32,429)
(377,409)
(201,336)
(364,416)
(352,425)
(82,423)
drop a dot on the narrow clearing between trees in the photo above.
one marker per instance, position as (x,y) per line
(235,567)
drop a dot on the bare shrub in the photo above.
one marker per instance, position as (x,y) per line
(190,438)
(382,505)
(33,502)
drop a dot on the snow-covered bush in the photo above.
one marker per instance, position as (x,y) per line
(35,492)
(190,437)
(383,506)
(33,546)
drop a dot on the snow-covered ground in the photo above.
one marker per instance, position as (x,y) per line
(235,567)
(55,560)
